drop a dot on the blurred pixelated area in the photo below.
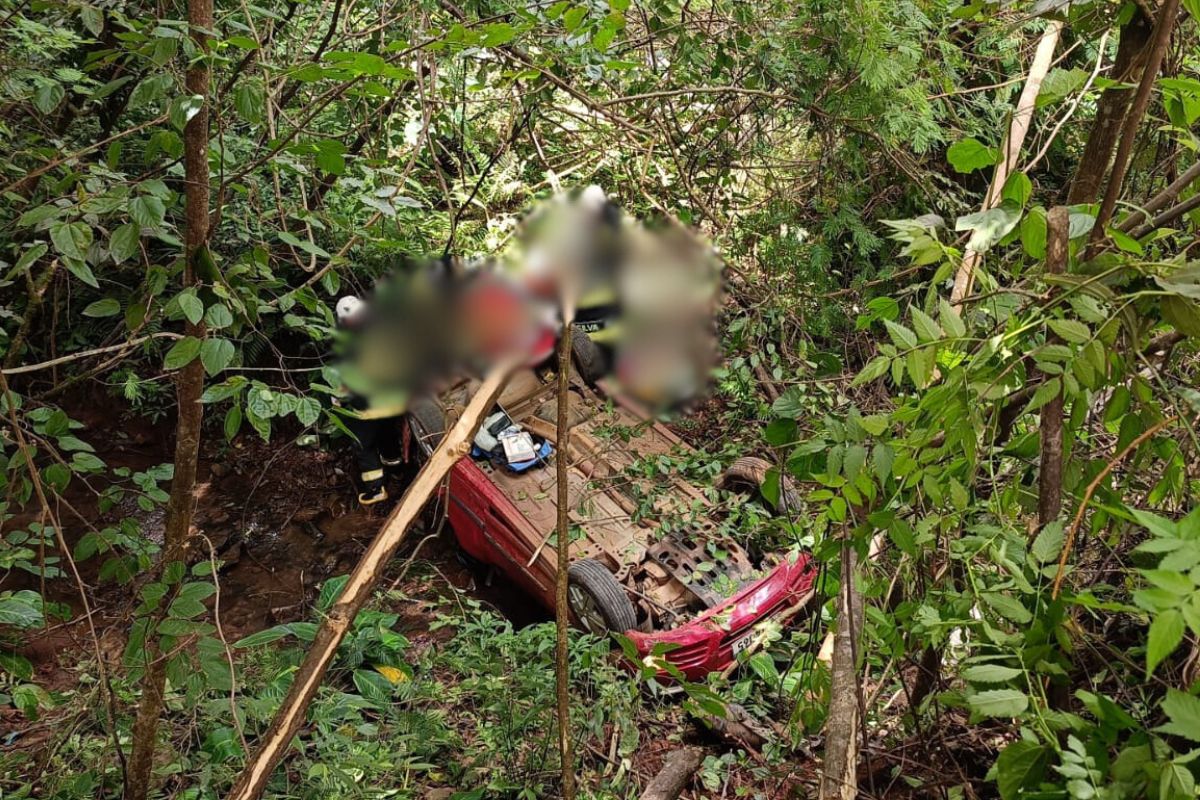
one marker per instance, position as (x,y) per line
(642,297)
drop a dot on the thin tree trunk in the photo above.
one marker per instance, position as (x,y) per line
(37,291)
(1097,153)
(1160,39)
(189,387)
(562,613)
(1050,473)
(964,279)
(253,780)
(839,779)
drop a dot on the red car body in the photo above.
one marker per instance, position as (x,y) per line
(491,527)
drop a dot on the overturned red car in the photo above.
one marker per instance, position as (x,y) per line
(645,559)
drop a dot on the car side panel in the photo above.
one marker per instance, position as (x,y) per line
(490,528)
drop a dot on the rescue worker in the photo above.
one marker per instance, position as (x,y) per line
(376,428)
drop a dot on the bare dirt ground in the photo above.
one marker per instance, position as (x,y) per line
(280,519)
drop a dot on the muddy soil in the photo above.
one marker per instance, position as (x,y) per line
(279,517)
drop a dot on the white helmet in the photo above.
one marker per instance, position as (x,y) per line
(349,309)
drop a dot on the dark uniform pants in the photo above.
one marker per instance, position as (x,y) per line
(378,440)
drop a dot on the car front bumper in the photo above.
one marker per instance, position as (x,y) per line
(711,641)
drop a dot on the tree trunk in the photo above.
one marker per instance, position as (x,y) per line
(839,779)
(562,619)
(1050,473)
(189,387)
(1097,153)
(1160,38)
(358,589)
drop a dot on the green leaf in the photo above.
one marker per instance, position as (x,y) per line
(1018,188)
(1047,391)
(968,155)
(191,306)
(216,354)
(1060,83)
(764,667)
(31,255)
(332,159)
(877,367)
(149,90)
(921,364)
(1008,607)
(308,410)
(72,239)
(123,243)
(1070,330)
(233,421)
(48,95)
(1125,242)
(16,665)
(248,100)
(217,316)
(1166,632)
(22,609)
(497,33)
(875,424)
(330,591)
(107,307)
(927,328)
(951,321)
(81,270)
(264,637)
(990,673)
(573,18)
(1020,766)
(1183,313)
(147,211)
(184,108)
(790,404)
(1033,233)
(93,19)
(998,703)
(989,227)
(182,353)
(1183,711)
(901,336)
(197,591)
(1048,544)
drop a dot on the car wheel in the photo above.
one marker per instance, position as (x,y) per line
(589,358)
(597,600)
(748,474)
(428,423)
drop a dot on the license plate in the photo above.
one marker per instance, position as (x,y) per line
(741,644)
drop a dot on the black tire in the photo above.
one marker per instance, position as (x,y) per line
(748,474)
(427,422)
(597,600)
(589,358)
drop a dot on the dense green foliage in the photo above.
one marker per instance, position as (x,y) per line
(837,154)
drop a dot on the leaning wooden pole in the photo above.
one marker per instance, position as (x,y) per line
(359,587)
(1022,118)
(561,610)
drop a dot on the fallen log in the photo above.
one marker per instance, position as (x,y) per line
(676,773)
(359,587)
